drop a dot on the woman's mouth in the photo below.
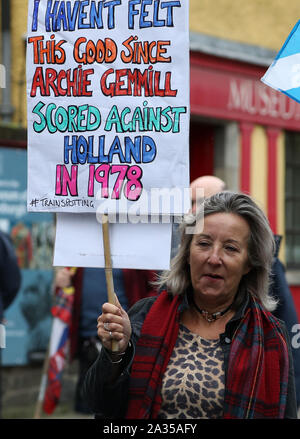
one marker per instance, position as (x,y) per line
(213,276)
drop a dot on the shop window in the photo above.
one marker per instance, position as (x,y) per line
(292,200)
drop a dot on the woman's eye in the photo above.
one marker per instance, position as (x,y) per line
(203,243)
(231,249)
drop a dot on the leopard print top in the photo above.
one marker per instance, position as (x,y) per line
(193,384)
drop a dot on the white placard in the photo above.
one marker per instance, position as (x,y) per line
(79,243)
(108,104)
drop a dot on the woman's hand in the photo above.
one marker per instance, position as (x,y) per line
(114,324)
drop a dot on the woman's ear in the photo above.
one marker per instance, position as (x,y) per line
(247,269)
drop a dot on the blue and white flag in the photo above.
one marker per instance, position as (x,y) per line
(284,72)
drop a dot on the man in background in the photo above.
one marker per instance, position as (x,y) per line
(209,184)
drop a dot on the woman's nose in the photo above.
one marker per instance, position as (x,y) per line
(215,257)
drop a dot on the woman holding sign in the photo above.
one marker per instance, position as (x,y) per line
(208,345)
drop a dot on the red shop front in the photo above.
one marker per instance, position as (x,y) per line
(226,91)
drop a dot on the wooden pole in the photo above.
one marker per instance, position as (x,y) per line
(108,269)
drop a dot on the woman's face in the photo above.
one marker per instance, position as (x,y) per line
(219,256)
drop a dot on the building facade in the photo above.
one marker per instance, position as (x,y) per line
(247,134)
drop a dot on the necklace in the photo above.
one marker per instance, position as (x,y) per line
(211,317)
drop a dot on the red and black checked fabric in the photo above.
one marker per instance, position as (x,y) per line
(153,350)
(257,375)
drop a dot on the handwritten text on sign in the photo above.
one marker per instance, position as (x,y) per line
(108,87)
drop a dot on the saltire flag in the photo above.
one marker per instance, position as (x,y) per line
(58,345)
(284,72)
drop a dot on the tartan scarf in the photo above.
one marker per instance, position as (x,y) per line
(257,377)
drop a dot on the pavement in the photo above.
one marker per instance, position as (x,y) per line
(62,411)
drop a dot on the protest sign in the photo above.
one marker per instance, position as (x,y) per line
(140,246)
(108,104)
(284,73)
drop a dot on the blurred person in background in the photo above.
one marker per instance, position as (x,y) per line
(10,281)
(10,274)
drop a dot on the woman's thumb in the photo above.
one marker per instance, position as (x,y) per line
(117,303)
